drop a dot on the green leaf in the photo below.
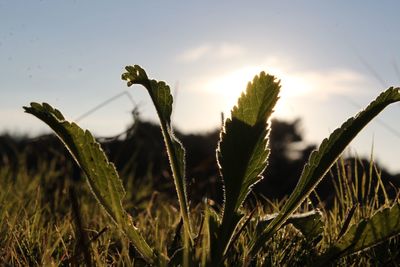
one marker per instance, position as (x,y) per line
(320,161)
(162,100)
(159,91)
(243,148)
(102,176)
(367,233)
(310,223)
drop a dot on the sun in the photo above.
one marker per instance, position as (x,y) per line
(229,86)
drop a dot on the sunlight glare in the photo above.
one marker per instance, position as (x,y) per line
(229,86)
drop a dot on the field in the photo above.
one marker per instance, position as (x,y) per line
(58,210)
(42,221)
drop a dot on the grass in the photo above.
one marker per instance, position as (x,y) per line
(38,223)
(229,235)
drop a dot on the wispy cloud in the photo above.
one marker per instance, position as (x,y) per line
(209,51)
(321,83)
(195,53)
(227,50)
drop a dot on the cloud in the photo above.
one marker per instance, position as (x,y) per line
(227,50)
(321,83)
(195,53)
(211,51)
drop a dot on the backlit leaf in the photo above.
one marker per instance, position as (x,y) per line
(102,176)
(162,100)
(367,233)
(310,223)
(321,160)
(243,149)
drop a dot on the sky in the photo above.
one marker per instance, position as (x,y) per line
(332,58)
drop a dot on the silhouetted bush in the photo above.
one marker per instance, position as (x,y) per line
(137,154)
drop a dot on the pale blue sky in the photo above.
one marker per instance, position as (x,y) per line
(332,57)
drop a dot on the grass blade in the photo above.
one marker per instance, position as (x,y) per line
(102,176)
(321,160)
(347,221)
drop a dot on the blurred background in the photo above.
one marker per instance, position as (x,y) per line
(332,59)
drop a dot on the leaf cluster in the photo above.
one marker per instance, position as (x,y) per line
(242,156)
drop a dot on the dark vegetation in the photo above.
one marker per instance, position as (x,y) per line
(140,153)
